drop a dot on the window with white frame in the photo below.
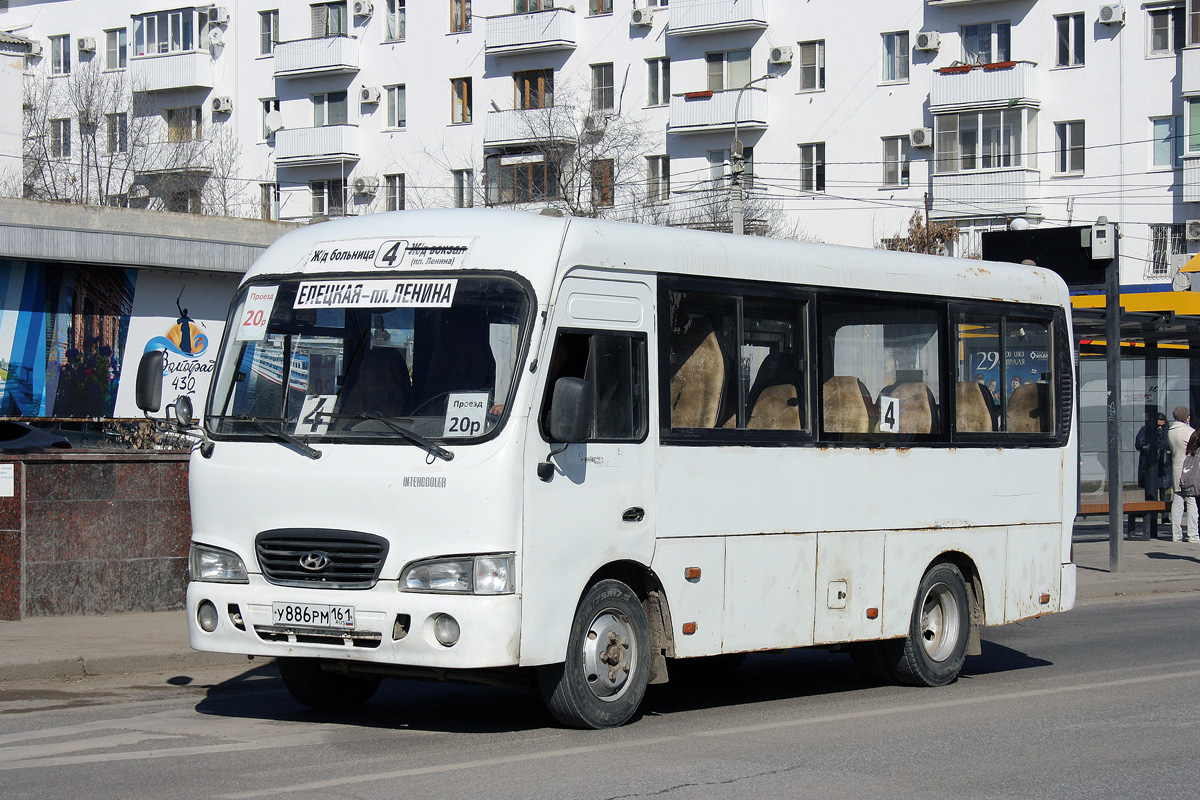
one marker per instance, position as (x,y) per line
(521,178)
(268,32)
(117,130)
(397,107)
(812,66)
(464,187)
(330,108)
(895,57)
(658,84)
(1166,241)
(270,105)
(1068,147)
(895,161)
(728,70)
(602,182)
(328,197)
(528,6)
(1193,22)
(977,140)
(328,19)
(460,16)
(185,124)
(602,87)
(60,138)
(1164,31)
(812,167)
(717,161)
(659,3)
(1069,36)
(395,21)
(165,32)
(268,200)
(658,179)
(60,55)
(1167,133)
(393,192)
(986,43)
(599,7)
(116,49)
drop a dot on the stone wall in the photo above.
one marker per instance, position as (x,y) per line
(93,533)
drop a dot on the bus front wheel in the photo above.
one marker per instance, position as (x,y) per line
(936,644)
(603,680)
(322,690)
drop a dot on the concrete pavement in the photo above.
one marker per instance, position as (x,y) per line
(46,648)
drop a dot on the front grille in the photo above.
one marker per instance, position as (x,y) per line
(321,558)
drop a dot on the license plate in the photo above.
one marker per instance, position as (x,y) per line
(310,615)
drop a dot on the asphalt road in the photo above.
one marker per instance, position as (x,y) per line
(1101,702)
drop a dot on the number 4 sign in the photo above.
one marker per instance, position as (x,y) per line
(889,414)
(256,313)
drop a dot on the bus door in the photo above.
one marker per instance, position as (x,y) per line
(594,505)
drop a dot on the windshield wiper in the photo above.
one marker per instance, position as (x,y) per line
(416,439)
(299,444)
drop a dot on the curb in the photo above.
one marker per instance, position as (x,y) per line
(79,667)
(1107,586)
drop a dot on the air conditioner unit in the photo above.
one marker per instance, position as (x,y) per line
(642,17)
(366,185)
(363,8)
(222,105)
(35,49)
(781,56)
(218,15)
(86,44)
(1112,14)
(929,41)
(139,191)
(369,94)
(920,137)
(594,124)
(1192,230)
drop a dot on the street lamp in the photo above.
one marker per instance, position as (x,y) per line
(737,164)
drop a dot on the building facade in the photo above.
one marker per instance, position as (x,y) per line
(851,116)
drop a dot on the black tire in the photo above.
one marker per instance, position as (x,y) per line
(322,690)
(933,651)
(609,632)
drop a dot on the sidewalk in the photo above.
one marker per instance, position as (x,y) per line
(42,648)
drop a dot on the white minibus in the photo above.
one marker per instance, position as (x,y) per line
(527,449)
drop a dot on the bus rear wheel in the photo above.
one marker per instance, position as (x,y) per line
(603,680)
(323,690)
(936,644)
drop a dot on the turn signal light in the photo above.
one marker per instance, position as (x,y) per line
(872,613)
(691,573)
(689,628)
(1044,599)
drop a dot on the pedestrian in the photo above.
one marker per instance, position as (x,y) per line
(1154,457)
(1178,436)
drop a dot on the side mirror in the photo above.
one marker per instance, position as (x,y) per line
(571,410)
(149,381)
(183,411)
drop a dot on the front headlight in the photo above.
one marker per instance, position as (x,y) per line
(206,563)
(465,575)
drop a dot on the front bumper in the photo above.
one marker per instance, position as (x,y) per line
(490,625)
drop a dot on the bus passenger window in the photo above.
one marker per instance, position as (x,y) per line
(615,366)
(1004,374)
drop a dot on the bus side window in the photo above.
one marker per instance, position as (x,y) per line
(1005,369)
(615,366)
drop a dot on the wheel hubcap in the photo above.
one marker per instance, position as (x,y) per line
(939,622)
(608,653)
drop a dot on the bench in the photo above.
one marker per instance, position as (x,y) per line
(1133,511)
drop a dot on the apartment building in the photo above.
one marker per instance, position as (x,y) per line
(851,115)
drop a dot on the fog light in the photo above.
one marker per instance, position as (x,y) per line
(445,629)
(206,616)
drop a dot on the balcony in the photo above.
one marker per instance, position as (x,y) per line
(708,112)
(1009,83)
(330,55)
(1190,72)
(328,144)
(1191,179)
(697,17)
(165,71)
(528,126)
(982,193)
(190,157)
(552,29)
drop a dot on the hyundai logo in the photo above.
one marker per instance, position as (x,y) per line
(314,561)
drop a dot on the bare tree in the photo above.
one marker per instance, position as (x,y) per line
(924,236)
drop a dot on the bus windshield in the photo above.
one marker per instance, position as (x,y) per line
(366,359)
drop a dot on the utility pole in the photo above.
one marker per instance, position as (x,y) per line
(737,163)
